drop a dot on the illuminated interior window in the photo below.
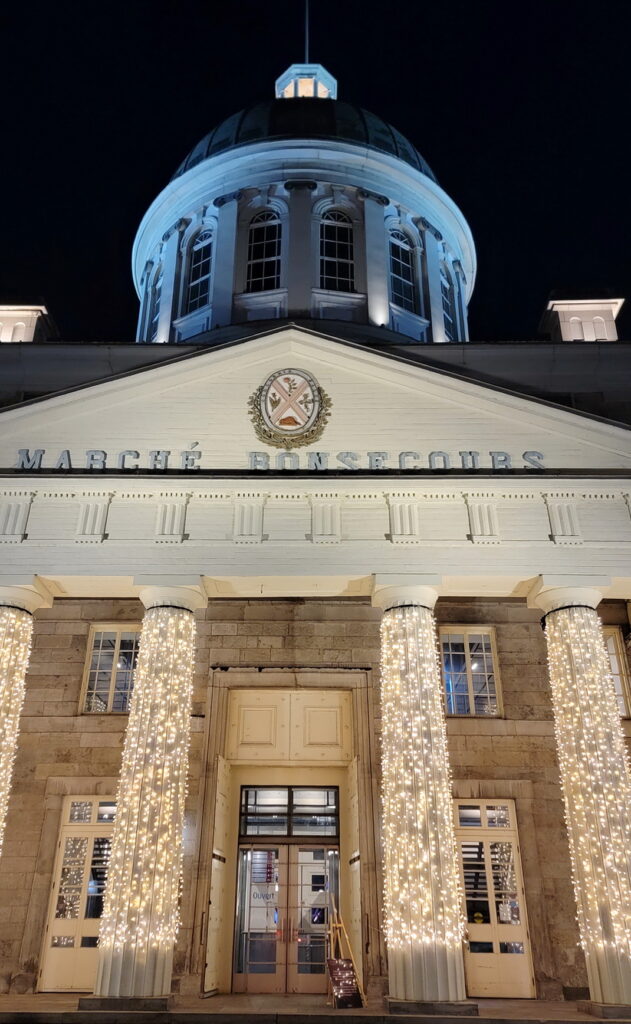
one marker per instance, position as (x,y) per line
(403,289)
(305,86)
(264,241)
(109,671)
(619,668)
(337,271)
(469,667)
(200,263)
(289,811)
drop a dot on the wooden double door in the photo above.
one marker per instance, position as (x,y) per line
(284,897)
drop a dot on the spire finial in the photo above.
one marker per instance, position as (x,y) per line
(306,31)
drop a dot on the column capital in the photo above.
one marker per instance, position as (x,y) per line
(390,591)
(188,598)
(28,596)
(551,595)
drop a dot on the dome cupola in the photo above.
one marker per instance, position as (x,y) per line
(303,207)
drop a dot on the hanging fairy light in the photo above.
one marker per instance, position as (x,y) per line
(16,630)
(424,926)
(596,786)
(140,915)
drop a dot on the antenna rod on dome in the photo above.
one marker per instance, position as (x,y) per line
(306,31)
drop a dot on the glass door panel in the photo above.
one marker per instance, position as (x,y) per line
(314,874)
(70,954)
(284,897)
(261,920)
(497,953)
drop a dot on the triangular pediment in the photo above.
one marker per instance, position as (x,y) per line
(378,404)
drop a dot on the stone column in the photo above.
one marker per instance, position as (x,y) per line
(140,915)
(17,605)
(432,239)
(224,256)
(424,922)
(171,273)
(300,261)
(596,785)
(377,268)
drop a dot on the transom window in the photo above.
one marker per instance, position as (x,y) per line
(154,306)
(337,270)
(198,287)
(289,811)
(112,655)
(469,665)
(449,304)
(264,240)
(619,668)
(402,275)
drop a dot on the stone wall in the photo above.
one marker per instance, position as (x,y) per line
(61,752)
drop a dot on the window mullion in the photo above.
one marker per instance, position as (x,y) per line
(467,654)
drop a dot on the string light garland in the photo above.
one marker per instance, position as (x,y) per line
(16,630)
(423,905)
(596,786)
(140,914)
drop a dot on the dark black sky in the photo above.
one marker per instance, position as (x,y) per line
(522,109)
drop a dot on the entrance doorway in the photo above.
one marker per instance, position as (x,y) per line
(70,953)
(284,898)
(497,951)
(286,887)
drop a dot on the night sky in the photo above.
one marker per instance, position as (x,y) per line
(521,109)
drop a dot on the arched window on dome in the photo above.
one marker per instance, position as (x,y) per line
(450,311)
(199,270)
(403,282)
(264,242)
(337,260)
(155,298)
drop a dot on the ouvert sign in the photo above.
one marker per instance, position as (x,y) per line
(191,459)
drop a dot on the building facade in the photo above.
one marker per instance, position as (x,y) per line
(316,533)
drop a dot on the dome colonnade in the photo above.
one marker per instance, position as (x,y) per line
(303,208)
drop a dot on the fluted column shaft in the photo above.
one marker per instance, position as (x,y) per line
(596,786)
(141,908)
(423,906)
(17,605)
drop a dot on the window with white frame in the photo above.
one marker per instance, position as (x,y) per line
(155,298)
(469,666)
(108,680)
(264,242)
(619,667)
(403,290)
(199,268)
(448,294)
(337,260)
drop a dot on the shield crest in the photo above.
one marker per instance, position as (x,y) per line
(290,409)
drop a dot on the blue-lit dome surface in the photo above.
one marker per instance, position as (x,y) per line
(306,119)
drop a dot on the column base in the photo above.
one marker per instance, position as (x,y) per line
(461,1008)
(157,1004)
(604,1010)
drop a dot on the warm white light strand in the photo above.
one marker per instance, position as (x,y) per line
(424,924)
(16,630)
(597,791)
(140,915)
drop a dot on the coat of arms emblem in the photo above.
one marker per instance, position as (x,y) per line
(290,409)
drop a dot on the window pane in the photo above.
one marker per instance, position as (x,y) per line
(73,864)
(97,877)
(80,811)
(511,947)
(469,815)
(480,947)
(498,816)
